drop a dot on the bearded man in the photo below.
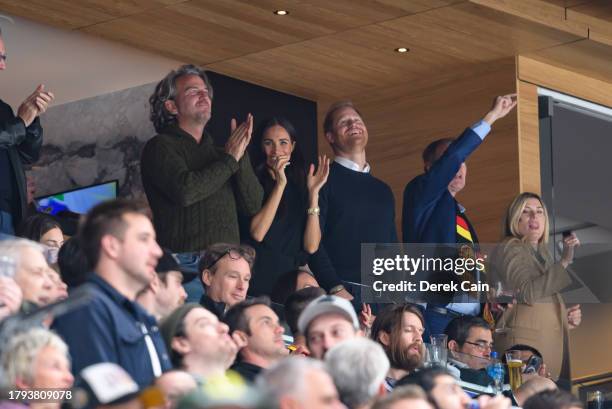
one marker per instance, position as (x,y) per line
(399,329)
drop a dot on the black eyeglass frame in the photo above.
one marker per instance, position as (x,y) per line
(481,346)
(235,250)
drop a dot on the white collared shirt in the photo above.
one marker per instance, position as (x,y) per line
(349,164)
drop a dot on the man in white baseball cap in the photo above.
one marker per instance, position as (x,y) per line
(327,321)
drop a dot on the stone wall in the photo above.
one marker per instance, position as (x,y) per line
(95,140)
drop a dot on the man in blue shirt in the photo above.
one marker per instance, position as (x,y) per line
(431,214)
(119,240)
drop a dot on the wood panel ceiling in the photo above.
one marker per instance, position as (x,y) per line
(327,49)
(588,18)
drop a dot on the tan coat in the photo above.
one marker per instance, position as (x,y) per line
(540,317)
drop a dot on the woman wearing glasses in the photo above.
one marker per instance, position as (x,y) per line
(523,264)
(286,229)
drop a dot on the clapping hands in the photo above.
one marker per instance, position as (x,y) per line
(239,138)
(34,105)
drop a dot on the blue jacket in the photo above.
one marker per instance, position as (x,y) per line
(429,210)
(107,330)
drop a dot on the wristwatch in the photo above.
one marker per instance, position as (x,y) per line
(313,211)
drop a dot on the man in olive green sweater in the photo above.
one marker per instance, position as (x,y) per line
(195,189)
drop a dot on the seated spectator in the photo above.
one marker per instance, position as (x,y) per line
(174,385)
(327,321)
(531,387)
(32,271)
(119,240)
(44,229)
(444,392)
(225,272)
(409,396)
(358,367)
(556,399)
(198,342)
(299,383)
(10,297)
(290,282)
(470,342)
(261,333)
(72,262)
(34,360)
(294,305)
(399,329)
(165,293)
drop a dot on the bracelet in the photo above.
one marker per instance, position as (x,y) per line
(336,289)
(313,211)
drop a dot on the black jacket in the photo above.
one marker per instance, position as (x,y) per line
(217,308)
(23,145)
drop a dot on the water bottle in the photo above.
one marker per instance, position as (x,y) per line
(495,370)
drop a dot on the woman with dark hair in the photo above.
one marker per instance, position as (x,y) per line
(286,230)
(44,229)
(290,282)
(73,264)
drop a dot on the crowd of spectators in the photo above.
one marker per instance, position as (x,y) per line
(280,321)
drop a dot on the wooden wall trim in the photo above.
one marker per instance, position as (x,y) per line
(581,69)
(528,138)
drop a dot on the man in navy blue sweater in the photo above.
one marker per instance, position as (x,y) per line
(355,207)
(431,214)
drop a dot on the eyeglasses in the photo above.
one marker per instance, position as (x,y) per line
(481,345)
(233,253)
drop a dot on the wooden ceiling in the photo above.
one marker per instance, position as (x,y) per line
(326,49)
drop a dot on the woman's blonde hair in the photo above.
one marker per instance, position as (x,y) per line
(21,352)
(515,210)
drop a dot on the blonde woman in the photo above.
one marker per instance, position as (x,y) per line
(34,361)
(523,264)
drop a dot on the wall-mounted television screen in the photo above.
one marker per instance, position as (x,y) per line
(78,200)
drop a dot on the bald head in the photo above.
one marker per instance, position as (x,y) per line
(533,386)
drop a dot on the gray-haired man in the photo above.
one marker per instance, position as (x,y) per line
(195,189)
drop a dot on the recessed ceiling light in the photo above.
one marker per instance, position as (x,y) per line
(281,12)
(402,50)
